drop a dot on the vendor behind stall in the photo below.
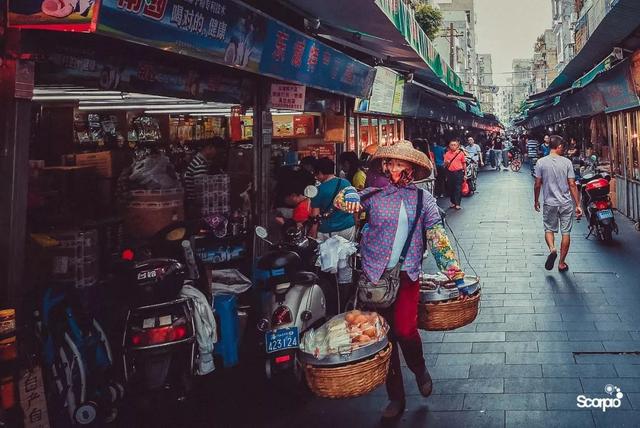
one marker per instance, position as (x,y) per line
(200,165)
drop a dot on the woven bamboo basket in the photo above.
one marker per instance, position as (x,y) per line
(351,380)
(448,315)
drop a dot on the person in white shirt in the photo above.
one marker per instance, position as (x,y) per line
(474,151)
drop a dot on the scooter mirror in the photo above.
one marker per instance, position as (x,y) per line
(261,232)
(594,158)
(311,191)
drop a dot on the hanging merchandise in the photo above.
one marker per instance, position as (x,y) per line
(235,123)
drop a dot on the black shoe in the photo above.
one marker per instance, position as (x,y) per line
(551,260)
(394,409)
(425,383)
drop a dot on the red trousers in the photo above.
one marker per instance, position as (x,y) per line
(403,319)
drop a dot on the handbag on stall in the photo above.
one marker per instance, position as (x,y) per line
(382,293)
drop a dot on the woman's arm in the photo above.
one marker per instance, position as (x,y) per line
(349,199)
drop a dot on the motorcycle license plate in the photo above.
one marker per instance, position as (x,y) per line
(604,214)
(278,340)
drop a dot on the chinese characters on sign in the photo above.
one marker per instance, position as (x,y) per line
(234,34)
(290,97)
(32,399)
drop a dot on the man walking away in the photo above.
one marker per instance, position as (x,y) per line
(555,176)
(532,152)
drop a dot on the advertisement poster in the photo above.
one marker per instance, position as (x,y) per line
(290,97)
(70,15)
(221,31)
(383,91)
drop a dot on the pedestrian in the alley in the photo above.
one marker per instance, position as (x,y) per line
(556,178)
(455,166)
(350,166)
(532,152)
(545,148)
(392,212)
(374,178)
(439,150)
(474,150)
(331,222)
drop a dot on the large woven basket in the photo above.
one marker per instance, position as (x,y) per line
(351,380)
(448,315)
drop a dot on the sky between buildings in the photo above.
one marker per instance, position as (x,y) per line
(508,29)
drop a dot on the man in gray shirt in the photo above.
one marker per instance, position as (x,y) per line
(555,177)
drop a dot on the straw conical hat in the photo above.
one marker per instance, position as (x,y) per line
(403,150)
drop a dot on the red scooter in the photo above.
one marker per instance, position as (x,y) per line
(597,206)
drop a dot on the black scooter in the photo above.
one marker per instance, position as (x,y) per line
(159,339)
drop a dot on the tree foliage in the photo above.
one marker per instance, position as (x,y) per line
(429,18)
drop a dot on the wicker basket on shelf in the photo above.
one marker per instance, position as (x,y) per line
(350,380)
(448,315)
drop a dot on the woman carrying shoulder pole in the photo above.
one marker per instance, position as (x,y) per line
(393,212)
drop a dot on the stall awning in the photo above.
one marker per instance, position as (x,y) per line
(386,29)
(615,27)
(608,91)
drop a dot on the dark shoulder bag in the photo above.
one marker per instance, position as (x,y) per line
(382,293)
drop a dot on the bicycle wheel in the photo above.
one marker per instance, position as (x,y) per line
(516,164)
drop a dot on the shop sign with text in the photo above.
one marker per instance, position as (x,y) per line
(290,97)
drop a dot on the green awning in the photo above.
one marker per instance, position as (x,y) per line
(603,66)
(403,18)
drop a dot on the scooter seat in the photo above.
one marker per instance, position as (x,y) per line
(305,278)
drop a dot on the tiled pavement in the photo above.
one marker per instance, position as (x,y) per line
(541,338)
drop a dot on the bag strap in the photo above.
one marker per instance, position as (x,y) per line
(329,208)
(454,158)
(407,243)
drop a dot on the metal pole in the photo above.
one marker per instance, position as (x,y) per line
(15,127)
(451,47)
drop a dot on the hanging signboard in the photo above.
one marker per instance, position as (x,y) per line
(398,97)
(290,97)
(221,31)
(383,91)
(66,15)
(293,56)
(231,33)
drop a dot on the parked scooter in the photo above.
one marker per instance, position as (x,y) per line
(471,175)
(292,301)
(596,204)
(159,340)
